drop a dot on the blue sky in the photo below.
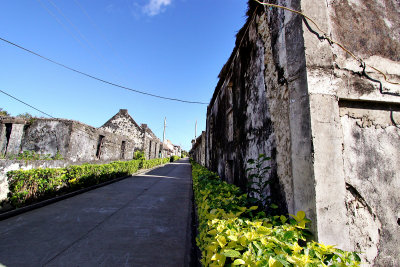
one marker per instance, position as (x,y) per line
(173,48)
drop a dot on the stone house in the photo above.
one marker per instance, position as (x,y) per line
(145,140)
(72,140)
(330,126)
(117,139)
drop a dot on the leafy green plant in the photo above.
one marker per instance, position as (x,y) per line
(31,155)
(257,184)
(233,233)
(139,155)
(4,113)
(58,156)
(174,158)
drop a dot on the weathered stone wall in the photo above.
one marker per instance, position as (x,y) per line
(72,140)
(85,144)
(239,121)
(123,124)
(332,131)
(198,151)
(47,136)
(11,132)
(151,144)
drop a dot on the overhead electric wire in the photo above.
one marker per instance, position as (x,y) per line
(19,100)
(60,22)
(99,79)
(80,37)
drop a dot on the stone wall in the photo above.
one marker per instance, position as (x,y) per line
(123,124)
(151,144)
(142,137)
(11,132)
(47,136)
(198,152)
(72,140)
(331,131)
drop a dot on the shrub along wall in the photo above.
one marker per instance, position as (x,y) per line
(174,158)
(233,232)
(39,184)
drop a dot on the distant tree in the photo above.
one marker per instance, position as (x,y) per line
(25,115)
(4,113)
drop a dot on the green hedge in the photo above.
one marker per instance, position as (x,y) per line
(154,162)
(39,184)
(174,158)
(232,233)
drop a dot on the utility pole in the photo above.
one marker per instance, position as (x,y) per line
(163,139)
(165,124)
(195,131)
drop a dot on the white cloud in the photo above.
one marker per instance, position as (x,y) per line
(155,7)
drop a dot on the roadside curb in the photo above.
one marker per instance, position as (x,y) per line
(46,202)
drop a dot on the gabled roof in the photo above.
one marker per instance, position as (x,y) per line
(121,113)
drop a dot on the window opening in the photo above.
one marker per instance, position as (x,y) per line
(8,134)
(123,144)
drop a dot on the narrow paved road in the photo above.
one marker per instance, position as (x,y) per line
(140,221)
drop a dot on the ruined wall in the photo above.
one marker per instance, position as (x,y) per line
(47,136)
(239,119)
(332,130)
(151,144)
(198,151)
(88,143)
(11,132)
(123,124)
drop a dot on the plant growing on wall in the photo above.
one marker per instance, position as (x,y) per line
(4,113)
(257,184)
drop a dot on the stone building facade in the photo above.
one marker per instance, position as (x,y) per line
(198,151)
(117,139)
(330,126)
(72,140)
(145,140)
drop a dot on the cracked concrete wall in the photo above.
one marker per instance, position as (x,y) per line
(354,132)
(371,148)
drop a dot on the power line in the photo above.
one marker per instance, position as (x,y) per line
(99,79)
(89,45)
(27,104)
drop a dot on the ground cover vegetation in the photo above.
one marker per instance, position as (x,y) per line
(28,186)
(31,155)
(233,232)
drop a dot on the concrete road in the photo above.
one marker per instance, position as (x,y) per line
(140,221)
